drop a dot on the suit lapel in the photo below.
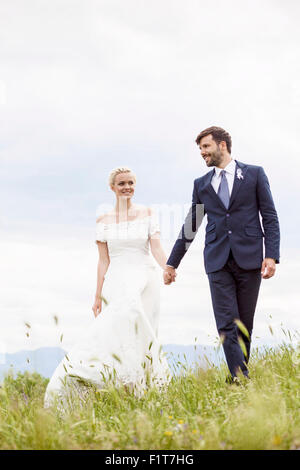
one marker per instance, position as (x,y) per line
(237,182)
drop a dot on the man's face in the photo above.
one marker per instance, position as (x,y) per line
(210,151)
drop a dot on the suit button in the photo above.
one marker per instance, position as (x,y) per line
(229,231)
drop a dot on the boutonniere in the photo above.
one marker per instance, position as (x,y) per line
(239,174)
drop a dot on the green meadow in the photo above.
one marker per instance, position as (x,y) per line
(198,410)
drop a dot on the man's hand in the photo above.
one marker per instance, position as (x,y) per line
(169,275)
(268,268)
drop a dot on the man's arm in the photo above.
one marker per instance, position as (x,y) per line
(269,216)
(270,224)
(188,231)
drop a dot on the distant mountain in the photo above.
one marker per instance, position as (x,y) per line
(42,360)
(45,360)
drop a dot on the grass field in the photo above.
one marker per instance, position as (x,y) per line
(198,411)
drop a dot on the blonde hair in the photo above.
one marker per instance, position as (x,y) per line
(117,171)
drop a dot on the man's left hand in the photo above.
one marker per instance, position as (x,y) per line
(268,268)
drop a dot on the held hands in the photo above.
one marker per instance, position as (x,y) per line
(169,275)
(97,307)
(268,268)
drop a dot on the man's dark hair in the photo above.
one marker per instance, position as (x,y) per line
(218,135)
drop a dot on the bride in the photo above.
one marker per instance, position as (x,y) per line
(121,346)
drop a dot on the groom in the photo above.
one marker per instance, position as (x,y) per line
(234,195)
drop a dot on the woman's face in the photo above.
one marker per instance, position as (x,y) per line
(124,185)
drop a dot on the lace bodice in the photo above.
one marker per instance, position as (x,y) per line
(128,239)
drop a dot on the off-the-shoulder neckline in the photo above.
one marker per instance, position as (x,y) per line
(125,221)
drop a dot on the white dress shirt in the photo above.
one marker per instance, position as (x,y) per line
(229,173)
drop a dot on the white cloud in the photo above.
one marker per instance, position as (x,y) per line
(147,73)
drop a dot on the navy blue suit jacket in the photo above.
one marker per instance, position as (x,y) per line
(237,228)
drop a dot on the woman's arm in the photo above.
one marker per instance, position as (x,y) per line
(103,264)
(157,250)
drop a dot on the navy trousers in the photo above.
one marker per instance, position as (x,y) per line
(234,293)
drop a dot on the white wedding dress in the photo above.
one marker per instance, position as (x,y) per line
(121,346)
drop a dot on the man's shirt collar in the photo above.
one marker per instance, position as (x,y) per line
(230,168)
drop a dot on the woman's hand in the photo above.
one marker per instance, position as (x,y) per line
(97,307)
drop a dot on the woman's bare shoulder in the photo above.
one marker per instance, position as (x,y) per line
(147,211)
(137,211)
(142,210)
(101,218)
(104,218)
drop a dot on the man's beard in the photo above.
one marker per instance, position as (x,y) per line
(215,158)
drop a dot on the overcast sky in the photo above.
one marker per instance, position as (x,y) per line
(86,86)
